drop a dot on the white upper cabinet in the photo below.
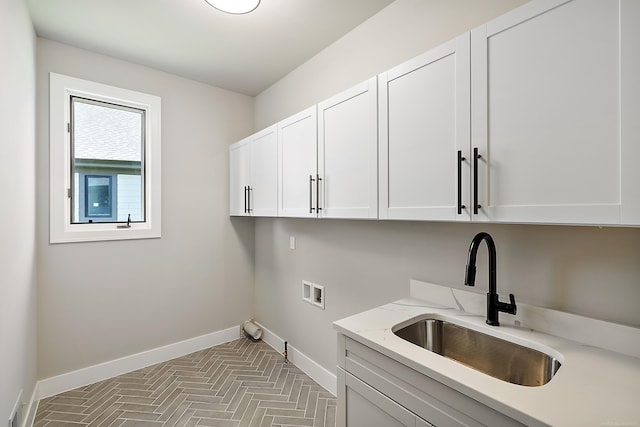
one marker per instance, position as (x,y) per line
(328,158)
(240,177)
(555,113)
(263,191)
(630,106)
(298,173)
(348,153)
(254,175)
(424,108)
(533,117)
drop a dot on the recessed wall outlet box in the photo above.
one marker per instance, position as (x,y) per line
(313,294)
(292,242)
(307,288)
(318,296)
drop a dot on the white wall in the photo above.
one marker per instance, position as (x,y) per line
(362,264)
(103,300)
(17,215)
(399,32)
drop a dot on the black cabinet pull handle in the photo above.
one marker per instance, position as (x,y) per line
(318,208)
(460,160)
(311,181)
(245,199)
(476,156)
(249,190)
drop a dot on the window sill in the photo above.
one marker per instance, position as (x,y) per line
(104,232)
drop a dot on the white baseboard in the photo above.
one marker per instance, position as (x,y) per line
(51,386)
(32,408)
(322,376)
(92,374)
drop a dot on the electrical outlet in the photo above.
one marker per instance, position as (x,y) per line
(292,242)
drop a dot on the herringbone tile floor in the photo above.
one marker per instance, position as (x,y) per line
(241,383)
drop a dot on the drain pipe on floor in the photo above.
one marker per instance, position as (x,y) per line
(252,331)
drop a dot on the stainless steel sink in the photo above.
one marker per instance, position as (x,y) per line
(493,356)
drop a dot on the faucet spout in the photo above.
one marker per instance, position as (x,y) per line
(494,305)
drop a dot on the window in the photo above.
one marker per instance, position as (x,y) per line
(97,197)
(107,144)
(105,162)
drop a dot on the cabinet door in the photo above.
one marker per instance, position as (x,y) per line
(546,82)
(348,153)
(630,105)
(297,153)
(264,173)
(362,405)
(424,122)
(239,177)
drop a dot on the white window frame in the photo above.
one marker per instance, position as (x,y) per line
(61,229)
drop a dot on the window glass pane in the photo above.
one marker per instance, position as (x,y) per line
(98,196)
(107,162)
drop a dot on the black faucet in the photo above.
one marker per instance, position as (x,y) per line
(494,305)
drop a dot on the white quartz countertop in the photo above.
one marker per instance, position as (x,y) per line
(593,387)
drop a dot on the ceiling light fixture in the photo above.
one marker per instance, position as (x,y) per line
(236,7)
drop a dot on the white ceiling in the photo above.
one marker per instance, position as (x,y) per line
(242,53)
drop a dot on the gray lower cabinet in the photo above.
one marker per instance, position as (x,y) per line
(366,406)
(375,390)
